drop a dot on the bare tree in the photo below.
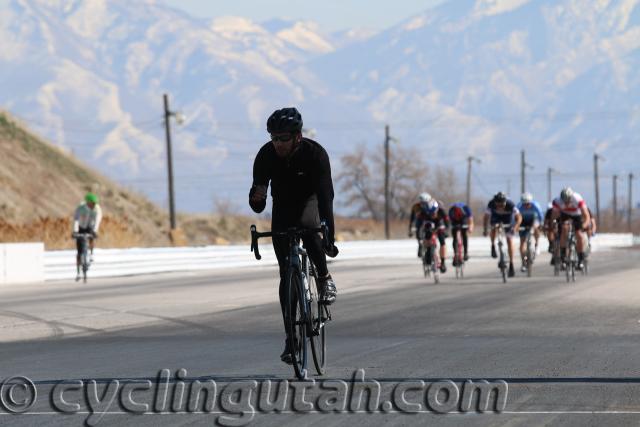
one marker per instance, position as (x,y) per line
(361,181)
(358,183)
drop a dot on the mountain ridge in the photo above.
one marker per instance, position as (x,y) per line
(469,77)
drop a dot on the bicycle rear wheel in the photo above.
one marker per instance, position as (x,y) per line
(295,315)
(318,335)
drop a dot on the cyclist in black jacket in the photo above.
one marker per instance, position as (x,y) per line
(302,192)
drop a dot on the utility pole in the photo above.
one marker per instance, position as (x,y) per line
(615,199)
(167,126)
(386,181)
(470,160)
(387,199)
(549,193)
(597,157)
(630,203)
(523,166)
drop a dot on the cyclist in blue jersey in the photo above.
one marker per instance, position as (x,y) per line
(460,214)
(531,219)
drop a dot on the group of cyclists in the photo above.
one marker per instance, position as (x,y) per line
(299,173)
(526,218)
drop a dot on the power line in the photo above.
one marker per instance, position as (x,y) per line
(481,184)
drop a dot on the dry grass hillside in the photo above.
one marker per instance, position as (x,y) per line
(40,185)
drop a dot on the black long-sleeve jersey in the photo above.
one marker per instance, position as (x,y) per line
(296,179)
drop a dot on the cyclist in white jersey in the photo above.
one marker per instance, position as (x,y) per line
(571,206)
(86,219)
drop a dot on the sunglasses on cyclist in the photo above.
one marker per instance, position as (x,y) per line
(282,138)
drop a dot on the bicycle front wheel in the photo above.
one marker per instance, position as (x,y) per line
(318,335)
(85,266)
(295,315)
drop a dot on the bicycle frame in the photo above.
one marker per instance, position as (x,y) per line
(430,247)
(571,255)
(299,270)
(84,256)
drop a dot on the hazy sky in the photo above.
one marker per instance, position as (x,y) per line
(331,14)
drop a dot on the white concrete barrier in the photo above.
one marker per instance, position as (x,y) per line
(123,262)
(21,263)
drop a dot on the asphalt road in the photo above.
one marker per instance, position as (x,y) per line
(568,352)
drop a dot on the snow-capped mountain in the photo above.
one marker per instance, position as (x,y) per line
(481,77)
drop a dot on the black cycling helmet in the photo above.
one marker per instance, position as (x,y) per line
(500,197)
(285,120)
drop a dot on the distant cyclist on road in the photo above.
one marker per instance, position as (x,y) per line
(86,220)
(531,219)
(431,211)
(570,206)
(417,217)
(460,214)
(550,228)
(299,171)
(501,210)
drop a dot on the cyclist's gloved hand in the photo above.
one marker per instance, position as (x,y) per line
(94,234)
(73,235)
(331,251)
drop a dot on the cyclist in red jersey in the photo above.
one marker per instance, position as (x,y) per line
(570,206)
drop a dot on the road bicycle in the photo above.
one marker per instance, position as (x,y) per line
(502,264)
(306,316)
(85,260)
(571,260)
(430,253)
(458,246)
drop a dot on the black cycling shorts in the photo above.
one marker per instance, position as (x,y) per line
(79,242)
(577,220)
(439,232)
